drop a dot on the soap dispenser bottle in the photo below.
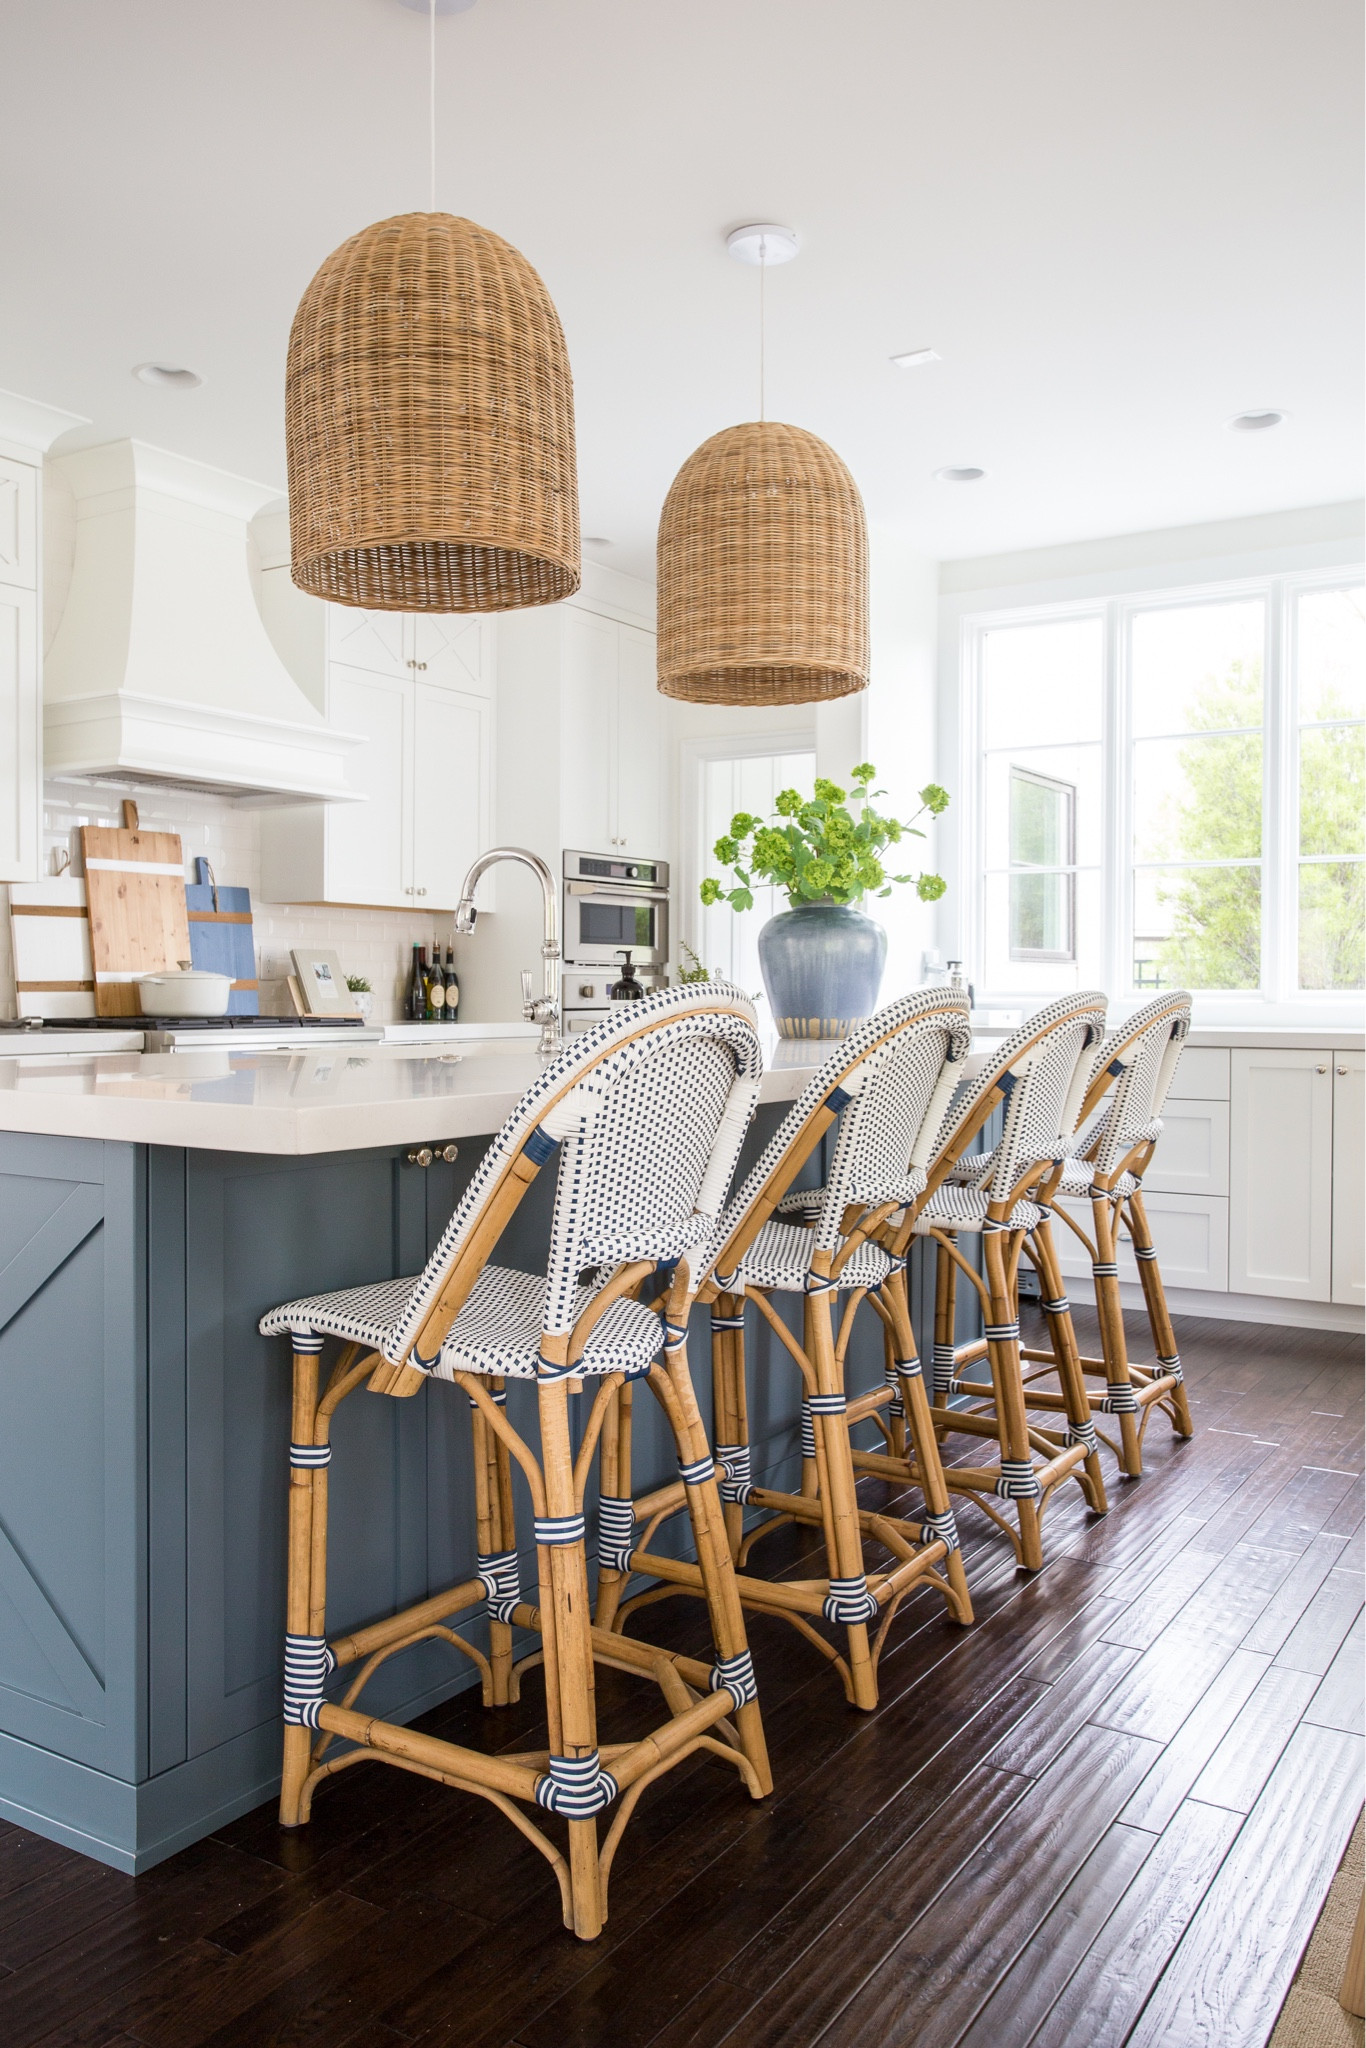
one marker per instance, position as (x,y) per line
(627,989)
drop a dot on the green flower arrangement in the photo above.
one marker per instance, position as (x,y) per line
(818,850)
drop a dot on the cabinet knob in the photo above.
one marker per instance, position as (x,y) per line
(1324,1070)
(1342,1070)
(450,1153)
(421,1155)
(421,892)
(416,664)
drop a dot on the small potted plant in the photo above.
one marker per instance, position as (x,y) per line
(360,989)
(822,958)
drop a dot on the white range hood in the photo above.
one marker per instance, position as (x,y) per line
(161,668)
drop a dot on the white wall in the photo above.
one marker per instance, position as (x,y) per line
(1313,537)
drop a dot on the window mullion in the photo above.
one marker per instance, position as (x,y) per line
(1280,808)
(1116,894)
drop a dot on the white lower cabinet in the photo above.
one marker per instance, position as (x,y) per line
(1349,1177)
(1281,1174)
(1189,1231)
(1192,1153)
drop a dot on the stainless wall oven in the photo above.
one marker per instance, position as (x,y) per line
(611,906)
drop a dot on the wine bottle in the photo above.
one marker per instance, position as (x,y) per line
(417,986)
(435,987)
(452,987)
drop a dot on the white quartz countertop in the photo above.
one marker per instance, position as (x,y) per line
(335,1099)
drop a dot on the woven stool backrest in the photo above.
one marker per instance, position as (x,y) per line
(1040,1073)
(1141,1057)
(648,1112)
(889,1083)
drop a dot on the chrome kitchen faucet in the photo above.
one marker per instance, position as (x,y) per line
(543,1010)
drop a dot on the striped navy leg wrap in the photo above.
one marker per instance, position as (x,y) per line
(727,1322)
(1120,1398)
(698,1472)
(849,1600)
(939,1529)
(1017,1481)
(1172,1365)
(808,1432)
(576,1786)
(1061,1307)
(1106,1271)
(307,1663)
(1145,1251)
(556,1529)
(1001,1333)
(547,1370)
(1082,1433)
(616,1532)
(501,1581)
(820,1283)
(991,1223)
(305,1343)
(826,1404)
(498,1396)
(943,1364)
(675,1335)
(735,1675)
(310,1457)
(896,1406)
(738,1482)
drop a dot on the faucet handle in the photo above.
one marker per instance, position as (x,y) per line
(528,1004)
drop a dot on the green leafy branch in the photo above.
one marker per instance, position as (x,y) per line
(819,850)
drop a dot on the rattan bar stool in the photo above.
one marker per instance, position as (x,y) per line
(647,1115)
(1039,1076)
(1131,1078)
(888,1087)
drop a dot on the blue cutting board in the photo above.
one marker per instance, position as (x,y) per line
(221,938)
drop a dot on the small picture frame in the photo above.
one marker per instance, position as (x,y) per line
(322,983)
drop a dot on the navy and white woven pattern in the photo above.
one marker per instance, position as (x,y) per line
(307,1664)
(737,1483)
(849,1601)
(576,1786)
(780,1258)
(735,1675)
(501,1581)
(1043,1072)
(649,1112)
(1153,1039)
(885,1082)
(958,1208)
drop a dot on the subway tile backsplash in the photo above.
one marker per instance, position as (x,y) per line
(374,943)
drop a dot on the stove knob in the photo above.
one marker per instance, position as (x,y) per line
(587,990)
(632,871)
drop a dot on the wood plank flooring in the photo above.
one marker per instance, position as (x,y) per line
(1107,1814)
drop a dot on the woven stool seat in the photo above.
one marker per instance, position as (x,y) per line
(960,1208)
(780,1259)
(498,1331)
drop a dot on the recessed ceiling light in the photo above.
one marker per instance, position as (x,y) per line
(958,476)
(1254,422)
(442,6)
(762,242)
(915,356)
(596,540)
(167,376)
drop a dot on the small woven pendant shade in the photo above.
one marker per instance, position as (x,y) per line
(763,572)
(429,421)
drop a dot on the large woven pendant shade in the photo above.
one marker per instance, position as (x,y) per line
(763,572)
(429,418)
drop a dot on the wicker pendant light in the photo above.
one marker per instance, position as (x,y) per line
(430,425)
(763,572)
(763,554)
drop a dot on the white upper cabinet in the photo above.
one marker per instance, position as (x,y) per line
(21,731)
(1349,1177)
(1281,1174)
(588,662)
(638,761)
(419,692)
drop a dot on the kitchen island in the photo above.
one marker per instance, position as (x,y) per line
(152,1207)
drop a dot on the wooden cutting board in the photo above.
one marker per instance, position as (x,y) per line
(221,937)
(50,935)
(135,890)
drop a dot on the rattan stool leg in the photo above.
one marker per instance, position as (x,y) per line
(495,1532)
(1159,1319)
(919,1427)
(614,1482)
(730,1409)
(1120,1398)
(1018,1482)
(945,1320)
(844,1535)
(1071,1377)
(564,1603)
(299,1591)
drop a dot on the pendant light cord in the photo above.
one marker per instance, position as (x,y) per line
(431,106)
(763,273)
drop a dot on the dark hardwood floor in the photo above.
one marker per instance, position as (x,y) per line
(1108,1813)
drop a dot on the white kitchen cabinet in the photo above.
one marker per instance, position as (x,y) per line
(1281,1173)
(1189,1231)
(1202,1074)
(638,757)
(1192,1153)
(425,771)
(611,736)
(21,725)
(1349,1177)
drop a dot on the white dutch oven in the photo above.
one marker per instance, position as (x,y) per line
(185,992)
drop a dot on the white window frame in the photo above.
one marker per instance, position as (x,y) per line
(1278,996)
(695,859)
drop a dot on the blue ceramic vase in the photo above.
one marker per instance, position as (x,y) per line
(822,966)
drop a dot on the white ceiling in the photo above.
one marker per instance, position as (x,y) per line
(1118,224)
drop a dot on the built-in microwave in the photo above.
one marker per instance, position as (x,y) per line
(612,906)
